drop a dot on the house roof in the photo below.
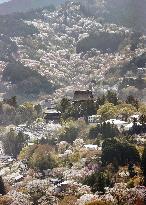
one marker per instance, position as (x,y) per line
(116,122)
(51,111)
(90,146)
(82,95)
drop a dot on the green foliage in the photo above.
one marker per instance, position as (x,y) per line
(101,100)
(12,26)
(12,101)
(98,203)
(87,108)
(76,110)
(42,162)
(68,200)
(143,164)
(64,105)
(135,40)
(109,130)
(38,109)
(131,170)
(97,181)
(27,152)
(33,14)
(129,13)
(105,42)
(94,131)
(126,110)
(142,119)
(119,153)
(27,81)
(7,46)
(112,97)
(69,132)
(7,114)
(24,8)
(131,100)
(137,62)
(142,109)
(2,187)
(104,130)
(138,83)
(26,112)
(130,184)
(42,158)
(107,111)
(12,113)
(38,156)
(13,143)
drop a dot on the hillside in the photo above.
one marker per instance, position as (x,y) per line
(74,50)
(131,13)
(25,5)
(73,103)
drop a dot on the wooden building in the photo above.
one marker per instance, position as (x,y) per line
(52,115)
(82,96)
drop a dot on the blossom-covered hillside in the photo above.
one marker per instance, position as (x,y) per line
(75,50)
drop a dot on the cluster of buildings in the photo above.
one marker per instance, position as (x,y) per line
(52,115)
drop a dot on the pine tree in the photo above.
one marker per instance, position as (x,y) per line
(143,164)
(2,187)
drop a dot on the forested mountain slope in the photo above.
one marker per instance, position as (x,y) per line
(131,13)
(13,6)
(72,49)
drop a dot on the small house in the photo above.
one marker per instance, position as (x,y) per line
(94,119)
(91,147)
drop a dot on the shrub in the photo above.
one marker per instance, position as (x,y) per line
(98,203)
(69,132)
(42,158)
(68,200)
(5,200)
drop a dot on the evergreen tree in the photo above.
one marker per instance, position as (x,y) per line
(64,105)
(13,143)
(109,130)
(38,109)
(131,170)
(87,108)
(131,100)
(100,101)
(142,119)
(2,187)
(97,181)
(112,97)
(94,132)
(143,164)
